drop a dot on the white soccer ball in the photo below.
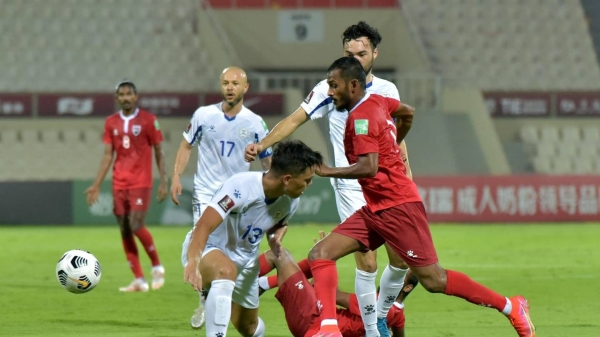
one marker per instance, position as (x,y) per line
(78,271)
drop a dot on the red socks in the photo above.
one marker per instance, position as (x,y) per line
(143,234)
(131,253)
(305,267)
(326,281)
(265,267)
(460,285)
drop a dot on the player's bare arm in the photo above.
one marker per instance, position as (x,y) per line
(366,167)
(210,220)
(404,153)
(283,129)
(93,191)
(275,236)
(404,116)
(162,171)
(265,163)
(181,161)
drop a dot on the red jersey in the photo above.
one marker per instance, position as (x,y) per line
(132,138)
(351,324)
(370,129)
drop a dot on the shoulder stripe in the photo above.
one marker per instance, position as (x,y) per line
(322,104)
(196,134)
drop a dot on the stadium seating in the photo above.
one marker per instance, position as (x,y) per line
(565,150)
(89,45)
(508,45)
(66,150)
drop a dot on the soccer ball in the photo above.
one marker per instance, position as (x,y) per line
(78,271)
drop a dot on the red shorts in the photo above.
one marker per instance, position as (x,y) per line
(299,302)
(403,227)
(127,201)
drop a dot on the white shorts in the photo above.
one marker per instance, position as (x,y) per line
(245,292)
(197,210)
(348,201)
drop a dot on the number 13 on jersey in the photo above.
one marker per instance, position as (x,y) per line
(253,234)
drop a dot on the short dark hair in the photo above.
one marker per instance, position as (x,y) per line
(361,29)
(294,157)
(350,69)
(126,83)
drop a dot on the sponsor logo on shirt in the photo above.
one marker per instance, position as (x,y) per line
(136,129)
(361,126)
(309,97)
(226,203)
(139,201)
(115,132)
(237,194)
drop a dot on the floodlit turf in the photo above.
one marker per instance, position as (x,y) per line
(557,267)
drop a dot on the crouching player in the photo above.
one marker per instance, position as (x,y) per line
(223,251)
(297,297)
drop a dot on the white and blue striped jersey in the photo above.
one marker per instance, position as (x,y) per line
(247,216)
(317,104)
(221,142)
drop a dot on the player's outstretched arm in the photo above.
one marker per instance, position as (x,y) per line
(283,129)
(404,151)
(404,117)
(366,167)
(208,222)
(93,191)
(181,161)
(162,171)
(275,236)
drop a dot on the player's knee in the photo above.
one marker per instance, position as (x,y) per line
(398,263)
(367,263)
(317,253)
(435,283)
(226,273)
(247,329)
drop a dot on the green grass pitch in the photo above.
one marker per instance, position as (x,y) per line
(557,267)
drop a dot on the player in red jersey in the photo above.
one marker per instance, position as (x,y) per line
(297,297)
(394,212)
(132,133)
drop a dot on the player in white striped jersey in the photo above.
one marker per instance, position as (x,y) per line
(223,251)
(359,41)
(221,131)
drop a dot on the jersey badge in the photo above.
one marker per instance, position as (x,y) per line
(115,132)
(211,128)
(136,129)
(226,203)
(309,97)
(361,126)
(189,127)
(243,133)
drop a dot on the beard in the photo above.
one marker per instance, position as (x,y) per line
(234,102)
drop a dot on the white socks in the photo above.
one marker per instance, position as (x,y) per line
(508,308)
(260,329)
(364,286)
(263,282)
(219,302)
(390,284)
